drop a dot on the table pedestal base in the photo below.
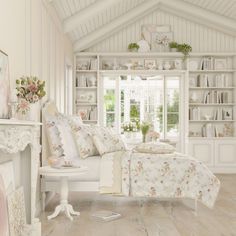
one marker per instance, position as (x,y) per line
(64,205)
(67,208)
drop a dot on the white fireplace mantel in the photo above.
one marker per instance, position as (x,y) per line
(15,136)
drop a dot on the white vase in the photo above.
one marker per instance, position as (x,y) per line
(34,112)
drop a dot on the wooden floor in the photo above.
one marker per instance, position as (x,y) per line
(149,217)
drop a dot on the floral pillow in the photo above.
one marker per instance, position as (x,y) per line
(54,139)
(84,140)
(107,141)
(155,148)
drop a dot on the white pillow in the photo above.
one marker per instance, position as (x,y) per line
(107,141)
(155,148)
(67,140)
(84,140)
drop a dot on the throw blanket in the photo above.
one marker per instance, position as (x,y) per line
(158,175)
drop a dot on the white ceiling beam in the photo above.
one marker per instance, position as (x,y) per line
(199,15)
(115,25)
(80,17)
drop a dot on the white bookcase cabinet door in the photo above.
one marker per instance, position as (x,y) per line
(225,153)
(202,151)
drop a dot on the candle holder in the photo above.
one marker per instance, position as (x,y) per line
(13,110)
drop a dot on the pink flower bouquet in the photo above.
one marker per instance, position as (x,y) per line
(30,88)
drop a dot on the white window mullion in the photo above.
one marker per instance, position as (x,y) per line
(165,108)
(117,105)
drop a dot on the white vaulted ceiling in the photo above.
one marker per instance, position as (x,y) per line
(88,22)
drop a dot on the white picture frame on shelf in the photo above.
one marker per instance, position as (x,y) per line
(178,64)
(193,65)
(220,63)
(150,64)
(83,113)
(228,114)
(160,41)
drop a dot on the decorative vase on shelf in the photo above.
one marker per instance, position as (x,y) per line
(34,110)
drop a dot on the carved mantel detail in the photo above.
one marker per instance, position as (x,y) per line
(15,138)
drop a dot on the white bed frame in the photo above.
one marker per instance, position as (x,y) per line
(53,185)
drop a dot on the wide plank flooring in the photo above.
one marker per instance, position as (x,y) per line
(147,217)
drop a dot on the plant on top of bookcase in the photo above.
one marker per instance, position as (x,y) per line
(185,49)
(133,47)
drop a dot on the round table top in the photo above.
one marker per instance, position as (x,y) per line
(66,171)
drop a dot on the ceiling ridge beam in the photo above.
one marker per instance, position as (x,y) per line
(200,15)
(83,15)
(116,25)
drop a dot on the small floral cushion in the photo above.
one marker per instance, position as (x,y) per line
(84,140)
(107,141)
(155,148)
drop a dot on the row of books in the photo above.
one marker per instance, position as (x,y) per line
(216,97)
(209,130)
(87,64)
(205,81)
(207,63)
(85,81)
(195,113)
(223,114)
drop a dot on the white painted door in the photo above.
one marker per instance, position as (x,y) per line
(225,151)
(202,150)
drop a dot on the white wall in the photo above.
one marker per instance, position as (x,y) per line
(32,36)
(201,38)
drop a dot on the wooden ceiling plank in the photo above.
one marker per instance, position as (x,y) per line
(86,13)
(200,15)
(115,25)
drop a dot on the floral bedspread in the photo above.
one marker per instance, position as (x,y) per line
(168,176)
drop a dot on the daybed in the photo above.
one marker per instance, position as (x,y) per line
(144,172)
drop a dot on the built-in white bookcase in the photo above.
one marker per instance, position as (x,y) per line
(86,88)
(208,113)
(212,95)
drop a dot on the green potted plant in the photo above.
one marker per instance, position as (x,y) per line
(173,46)
(144,129)
(185,49)
(133,47)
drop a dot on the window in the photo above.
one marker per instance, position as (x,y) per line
(130,100)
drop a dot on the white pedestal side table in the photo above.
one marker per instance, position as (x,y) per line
(63,174)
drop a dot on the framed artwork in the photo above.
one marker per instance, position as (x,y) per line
(83,113)
(4,86)
(228,114)
(220,64)
(178,64)
(4,231)
(150,64)
(16,212)
(160,41)
(147,30)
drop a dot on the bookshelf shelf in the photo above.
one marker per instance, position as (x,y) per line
(214,88)
(211,104)
(212,71)
(86,71)
(201,121)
